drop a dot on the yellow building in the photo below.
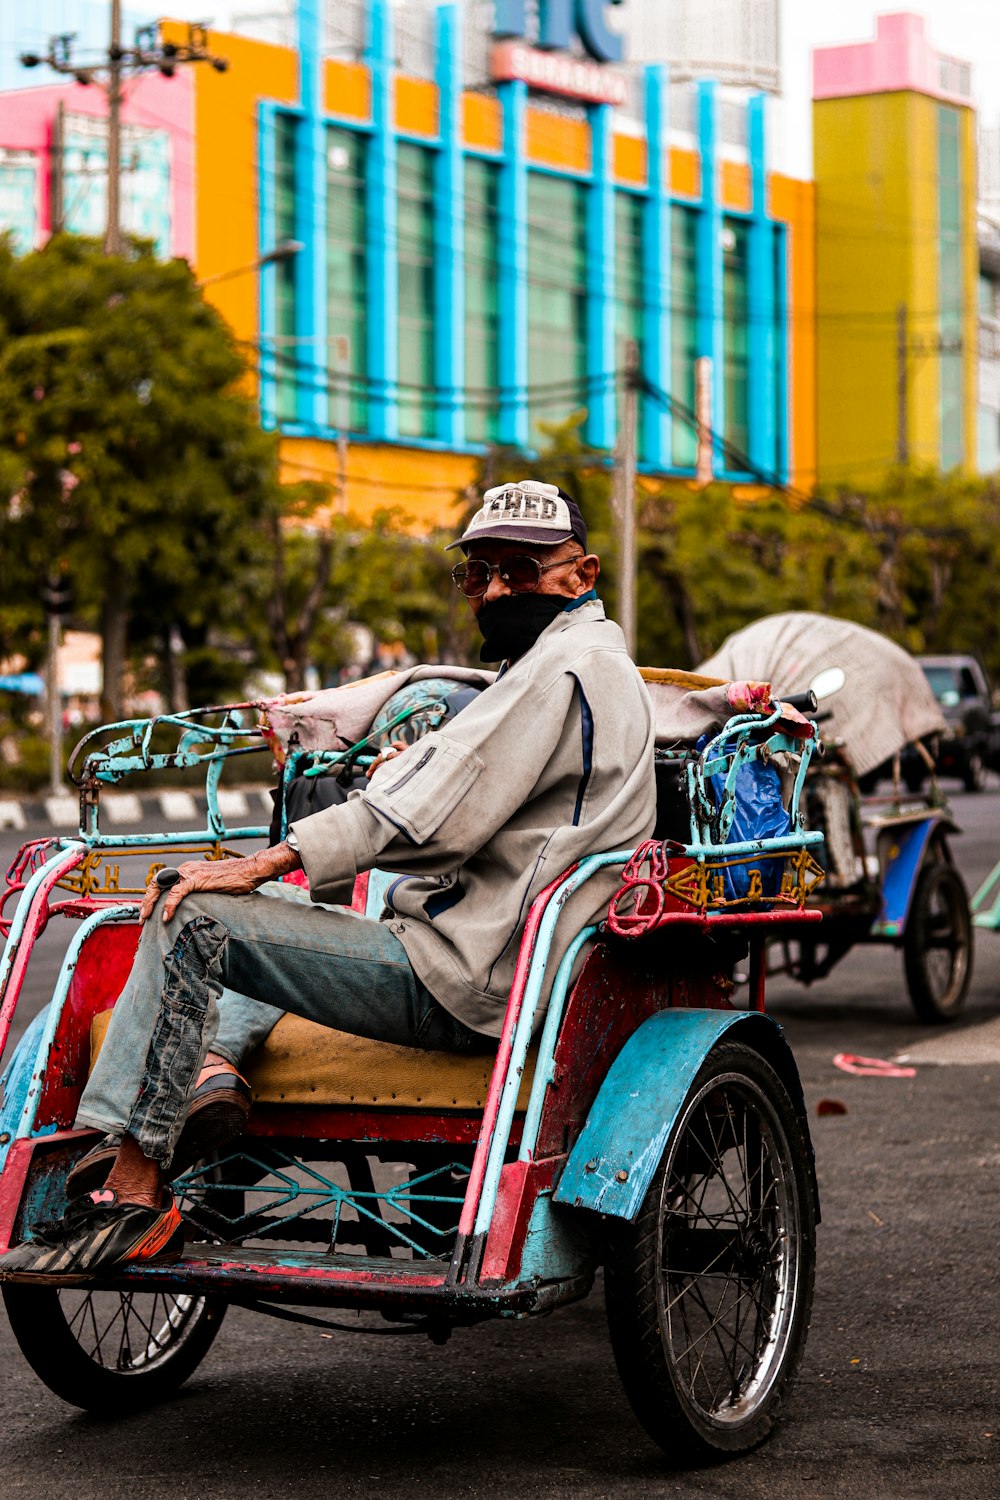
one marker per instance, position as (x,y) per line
(897,259)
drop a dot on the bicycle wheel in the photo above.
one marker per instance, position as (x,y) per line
(937,944)
(112,1352)
(709,1291)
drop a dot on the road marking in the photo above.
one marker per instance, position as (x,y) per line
(970,1047)
(122,807)
(11,815)
(231,804)
(60,810)
(178,807)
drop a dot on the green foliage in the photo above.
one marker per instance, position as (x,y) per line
(918,558)
(399,586)
(128,451)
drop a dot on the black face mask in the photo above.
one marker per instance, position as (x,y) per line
(510,626)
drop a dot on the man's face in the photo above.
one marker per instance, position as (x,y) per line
(577,577)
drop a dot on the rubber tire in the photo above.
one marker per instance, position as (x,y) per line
(937,875)
(39,1323)
(631,1292)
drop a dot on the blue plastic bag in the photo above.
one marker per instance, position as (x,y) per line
(760,814)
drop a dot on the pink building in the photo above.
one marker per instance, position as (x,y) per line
(53,162)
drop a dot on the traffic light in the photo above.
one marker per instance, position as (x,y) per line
(56,594)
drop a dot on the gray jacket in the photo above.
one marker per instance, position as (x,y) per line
(553,762)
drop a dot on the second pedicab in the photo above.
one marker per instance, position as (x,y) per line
(891,875)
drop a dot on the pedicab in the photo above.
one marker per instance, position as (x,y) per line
(644,1123)
(891,877)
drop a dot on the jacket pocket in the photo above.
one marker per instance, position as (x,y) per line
(420,800)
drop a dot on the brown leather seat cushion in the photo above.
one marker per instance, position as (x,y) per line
(305,1063)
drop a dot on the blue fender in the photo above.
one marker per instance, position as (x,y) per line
(901,852)
(613,1159)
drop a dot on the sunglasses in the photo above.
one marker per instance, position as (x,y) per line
(522,575)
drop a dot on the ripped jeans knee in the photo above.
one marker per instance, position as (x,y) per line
(182,1034)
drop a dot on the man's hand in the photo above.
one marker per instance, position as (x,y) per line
(232,877)
(390,753)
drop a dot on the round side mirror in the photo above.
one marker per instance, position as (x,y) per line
(828,682)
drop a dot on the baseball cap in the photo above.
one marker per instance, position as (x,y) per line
(525,510)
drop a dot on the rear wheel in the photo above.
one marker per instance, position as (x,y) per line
(112,1352)
(937,946)
(709,1291)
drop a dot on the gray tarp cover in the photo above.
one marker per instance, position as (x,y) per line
(885,702)
(334,718)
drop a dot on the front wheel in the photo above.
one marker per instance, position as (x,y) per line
(112,1352)
(937,945)
(709,1291)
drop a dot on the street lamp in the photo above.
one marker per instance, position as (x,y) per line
(283,250)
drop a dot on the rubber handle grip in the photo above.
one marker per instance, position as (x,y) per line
(806,703)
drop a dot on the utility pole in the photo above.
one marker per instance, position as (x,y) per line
(625,476)
(902,385)
(58,601)
(109,72)
(113,227)
(909,351)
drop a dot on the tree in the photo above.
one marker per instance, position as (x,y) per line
(131,451)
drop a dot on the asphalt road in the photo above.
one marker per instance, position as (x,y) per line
(899,1395)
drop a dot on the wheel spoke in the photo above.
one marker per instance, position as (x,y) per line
(725,1240)
(130,1332)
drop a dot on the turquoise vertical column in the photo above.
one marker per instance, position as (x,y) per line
(711,309)
(513,269)
(600,242)
(267,275)
(782,410)
(313,393)
(656,273)
(449,222)
(381,259)
(760,299)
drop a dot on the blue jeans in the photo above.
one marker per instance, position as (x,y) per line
(207,979)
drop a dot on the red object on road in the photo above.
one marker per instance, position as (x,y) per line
(871,1067)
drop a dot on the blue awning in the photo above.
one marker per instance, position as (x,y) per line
(23,682)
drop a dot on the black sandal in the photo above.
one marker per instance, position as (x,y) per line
(219,1112)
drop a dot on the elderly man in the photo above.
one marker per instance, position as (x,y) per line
(551,763)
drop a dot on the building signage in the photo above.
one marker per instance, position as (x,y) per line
(548,65)
(555,73)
